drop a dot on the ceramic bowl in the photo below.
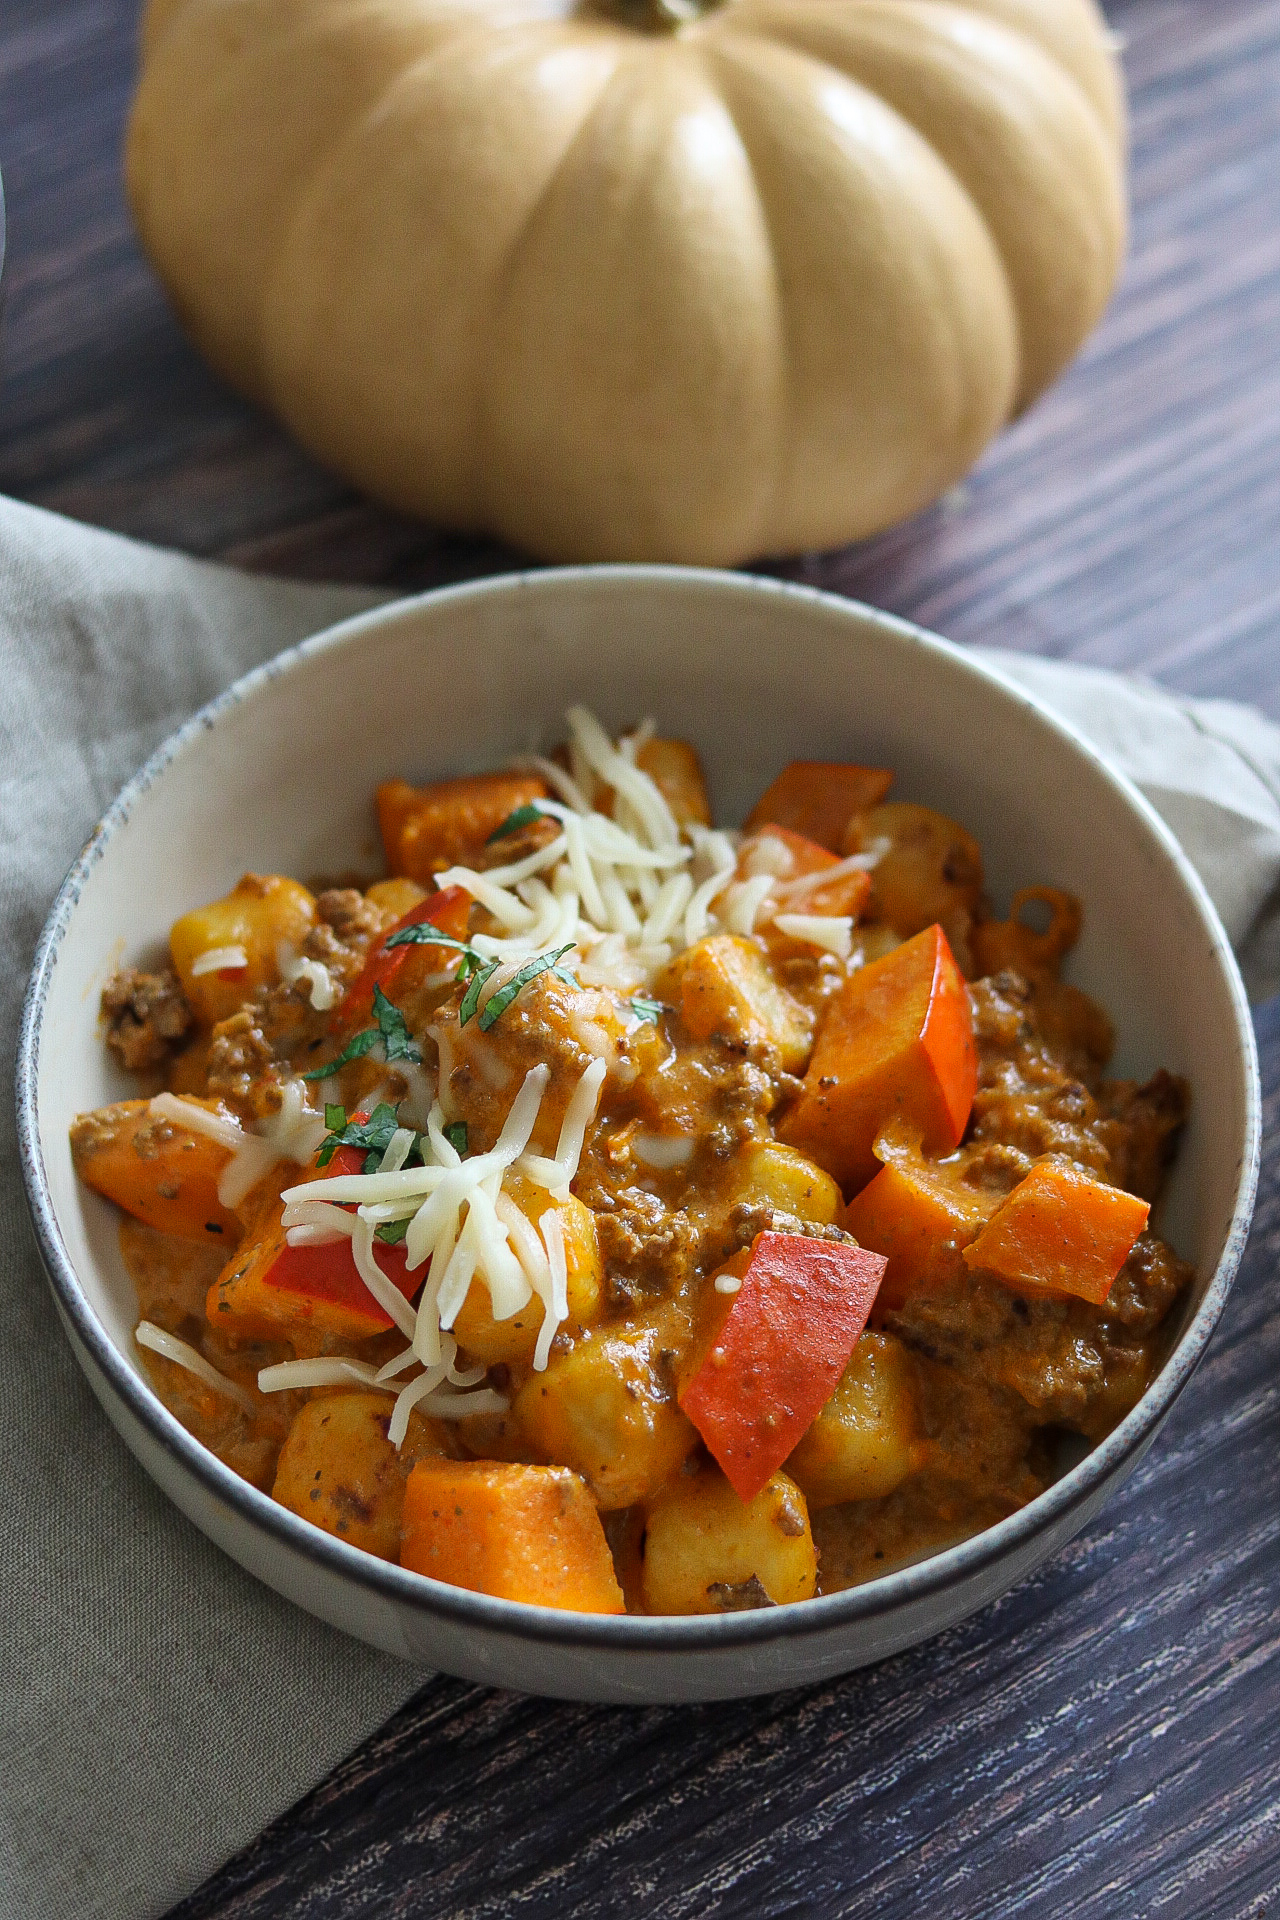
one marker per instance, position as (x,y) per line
(278,774)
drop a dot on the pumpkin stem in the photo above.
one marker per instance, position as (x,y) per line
(656,16)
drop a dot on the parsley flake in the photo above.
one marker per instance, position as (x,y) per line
(497,1003)
(373,1134)
(392,1232)
(643,1009)
(390,1030)
(355,1049)
(421,933)
(393,1031)
(456,1134)
(522,817)
(471,998)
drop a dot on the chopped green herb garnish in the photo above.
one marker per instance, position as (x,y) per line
(355,1049)
(643,1009)
(471,998)
(392,1232)
(335,1118)
(392,1029)
(522,817)
(422,934)
(456,1134)
(373,1134)
(498,1002)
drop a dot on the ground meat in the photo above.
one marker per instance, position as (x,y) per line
(1036,1349)
(147,1017)
(1070,1363)
(645,1247)
(1036,1098)
(243,1066)
(745,1597)
(751,1217)
(1150,1118)
(1146,1286)
(993,1167)
(354,920)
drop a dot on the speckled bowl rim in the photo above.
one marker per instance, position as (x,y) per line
(953,1566)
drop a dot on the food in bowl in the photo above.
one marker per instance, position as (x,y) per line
(609,1211)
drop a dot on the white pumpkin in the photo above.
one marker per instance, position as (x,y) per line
(765,281)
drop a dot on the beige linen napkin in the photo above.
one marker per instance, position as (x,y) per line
(160,1707)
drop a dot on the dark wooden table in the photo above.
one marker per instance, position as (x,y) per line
(1105,1743)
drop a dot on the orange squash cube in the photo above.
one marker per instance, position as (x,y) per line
(818,798)
(676,771)
(920,1218)
(895,1049)
(426,829)
(847,894)
(520,1533)
(1060,1231)
(155,1169)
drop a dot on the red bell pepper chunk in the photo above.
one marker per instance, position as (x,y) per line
(780,1351)
(268,1289)
(449,909)
(329,1273)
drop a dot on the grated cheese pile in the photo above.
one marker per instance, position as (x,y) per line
(460,1225)
(632,890)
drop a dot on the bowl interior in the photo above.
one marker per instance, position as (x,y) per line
(280,776)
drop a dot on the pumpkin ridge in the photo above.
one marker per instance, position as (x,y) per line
(740,501)
(1093,49)
(238,349)
(518,47)
(947,73)
(973,393)
(485,430)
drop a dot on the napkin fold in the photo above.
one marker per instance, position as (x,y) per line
(160,1706)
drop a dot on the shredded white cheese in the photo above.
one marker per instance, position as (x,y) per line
(321,990)
(219,960)
(832,931)
(661,1151)
(294,1133)
(460,1221)
(147,1334)
(318,1373)
(788,890)
(631,889)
